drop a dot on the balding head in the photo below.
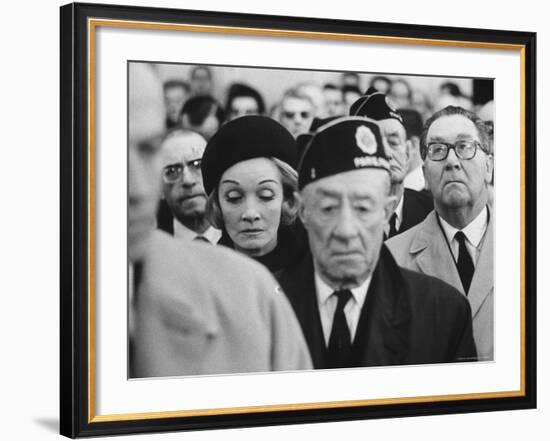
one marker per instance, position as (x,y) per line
(145,122)
(182,188)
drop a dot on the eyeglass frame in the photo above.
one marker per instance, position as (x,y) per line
(452,146)
(193,168)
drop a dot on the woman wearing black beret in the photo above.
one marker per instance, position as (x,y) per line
(248,171)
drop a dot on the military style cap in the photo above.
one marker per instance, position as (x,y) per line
(344,144)
(244,138)
(374,105)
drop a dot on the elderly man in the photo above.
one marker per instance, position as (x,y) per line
(183,193)
(455,241)
(355,305)
(411,206)
(195,309)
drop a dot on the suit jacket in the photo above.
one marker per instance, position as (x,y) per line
(407,317)
(424,249)
(416,206)
(208,310)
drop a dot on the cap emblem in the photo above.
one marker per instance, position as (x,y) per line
(365,140)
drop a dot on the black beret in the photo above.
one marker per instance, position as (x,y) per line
(374,105)
(244,138)
(344,144)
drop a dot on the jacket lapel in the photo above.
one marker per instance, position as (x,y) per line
(482,281)
(433,255)
(382,336)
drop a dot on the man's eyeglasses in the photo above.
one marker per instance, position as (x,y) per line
(464,149)
(291,115)
(174,172)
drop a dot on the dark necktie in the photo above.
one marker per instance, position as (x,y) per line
(464,264)
(393,229)
(339,346)
(201,239)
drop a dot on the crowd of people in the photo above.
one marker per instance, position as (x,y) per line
(335,228)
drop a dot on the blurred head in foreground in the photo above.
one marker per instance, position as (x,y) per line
(146,123)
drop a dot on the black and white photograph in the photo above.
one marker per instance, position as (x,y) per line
(287,220)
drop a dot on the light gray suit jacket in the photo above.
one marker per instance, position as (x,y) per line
(423,248)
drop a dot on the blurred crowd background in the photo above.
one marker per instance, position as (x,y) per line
(330,93)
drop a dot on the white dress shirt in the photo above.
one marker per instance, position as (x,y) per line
(415,179)
(327,306)
(474,232)
(398,216)
(182,232)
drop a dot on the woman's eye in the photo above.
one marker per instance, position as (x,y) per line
(232,197)
(266,195)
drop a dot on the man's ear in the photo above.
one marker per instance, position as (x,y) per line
(427,184)
(489,165)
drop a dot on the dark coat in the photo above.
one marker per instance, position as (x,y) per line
(292,246)
(407,317)
(416,206)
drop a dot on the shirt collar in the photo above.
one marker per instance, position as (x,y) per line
(182,232)
(474,231)
(324,291)
(399,210)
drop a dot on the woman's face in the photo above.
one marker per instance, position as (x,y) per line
(251,200)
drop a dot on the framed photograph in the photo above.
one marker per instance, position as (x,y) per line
(172,121)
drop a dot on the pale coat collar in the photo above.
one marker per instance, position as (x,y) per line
(187,293)
(434,258)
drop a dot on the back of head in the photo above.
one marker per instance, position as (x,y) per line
(200,107)
(412,120)
(243,90)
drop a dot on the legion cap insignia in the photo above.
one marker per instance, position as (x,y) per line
(365,140)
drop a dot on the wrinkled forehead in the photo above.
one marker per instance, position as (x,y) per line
(371,183)
(392,127)
(182,148)
(452,127)
(295,103)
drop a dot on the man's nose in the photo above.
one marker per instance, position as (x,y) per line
(452,161)
(188,178)
(346,227)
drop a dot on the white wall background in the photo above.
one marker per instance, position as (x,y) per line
(29,239)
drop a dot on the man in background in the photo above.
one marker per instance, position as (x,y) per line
(297,111)
(176,93)
(201,81)
(411,206)
(202,114)
(182,188)
(455,241)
